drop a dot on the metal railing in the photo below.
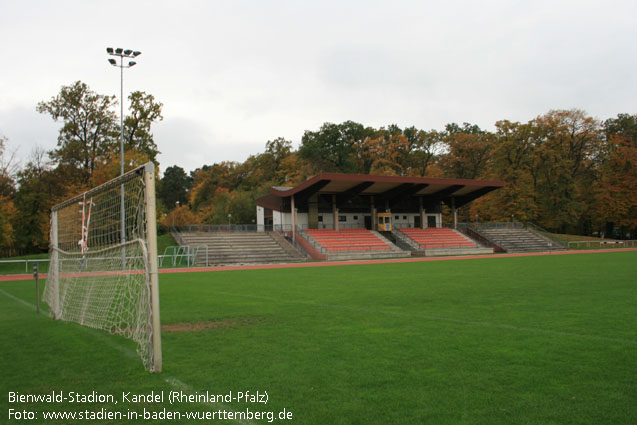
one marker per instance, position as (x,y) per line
(551,238)
(224,228)
(602,244)
(178,253)
(341,226)
(503,225)
(480,239)
(26,262)
(404,240)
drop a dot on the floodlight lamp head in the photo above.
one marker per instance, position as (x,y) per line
(136,53)
(127,52)
(119,50)
(113,62)
(131,64)
(109,50)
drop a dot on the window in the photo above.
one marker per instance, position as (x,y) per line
(355,217)
(404,217)
(320,218)
(342,218)
(396,217)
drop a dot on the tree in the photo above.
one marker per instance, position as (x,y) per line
(385,153)
(424,149)
(208,179)
(8,169)
(468,151)
(143,112)
(568,152)
(180,216)
(174,187)
(617,193)
(236,207)
(511,161)
(40,187)
(332,147)
(86,136)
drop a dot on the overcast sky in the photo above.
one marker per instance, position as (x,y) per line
(234,74)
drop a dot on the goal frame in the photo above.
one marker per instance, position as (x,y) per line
(152,277)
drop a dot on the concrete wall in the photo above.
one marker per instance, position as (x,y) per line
(260,216)
(325,219)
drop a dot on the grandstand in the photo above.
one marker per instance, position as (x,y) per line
(335,215)
(355,216)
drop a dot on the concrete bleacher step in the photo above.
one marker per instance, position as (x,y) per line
(245,247)
(441,241)
(518,240)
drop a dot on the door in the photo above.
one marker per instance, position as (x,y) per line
(431,221)
(368,222)
(417,221)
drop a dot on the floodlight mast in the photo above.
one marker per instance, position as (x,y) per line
(121,53)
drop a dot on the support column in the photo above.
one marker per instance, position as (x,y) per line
(292,209)
(334,213)
(423,214)
(312,212)
(454,211)
(373,211)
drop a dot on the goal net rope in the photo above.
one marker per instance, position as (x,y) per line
(100,276)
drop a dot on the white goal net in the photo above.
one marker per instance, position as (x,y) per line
(103,271)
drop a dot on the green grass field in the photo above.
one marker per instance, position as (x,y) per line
(527,340)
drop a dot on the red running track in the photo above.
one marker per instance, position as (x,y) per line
(14,277)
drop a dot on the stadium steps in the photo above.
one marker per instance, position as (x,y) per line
(348,244)
(517,240)
(432,241)
(241,247)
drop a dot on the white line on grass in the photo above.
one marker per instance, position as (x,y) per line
(20,300)
(440,318)
(174,382)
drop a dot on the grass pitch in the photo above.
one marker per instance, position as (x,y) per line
(526,340)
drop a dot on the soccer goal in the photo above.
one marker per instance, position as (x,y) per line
(103,271)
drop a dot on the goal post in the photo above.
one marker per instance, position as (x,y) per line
(103,271)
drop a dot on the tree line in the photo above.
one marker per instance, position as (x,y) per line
(565,170)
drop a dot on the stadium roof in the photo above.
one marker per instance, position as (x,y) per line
(462,191)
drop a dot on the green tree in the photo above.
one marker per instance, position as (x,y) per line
(40,187)
(8,169)
(86,136)
(144,110)
(332,148)
(174,186)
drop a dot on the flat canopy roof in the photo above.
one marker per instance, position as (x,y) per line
(462,191)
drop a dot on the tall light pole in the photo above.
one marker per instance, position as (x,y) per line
(122,54)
